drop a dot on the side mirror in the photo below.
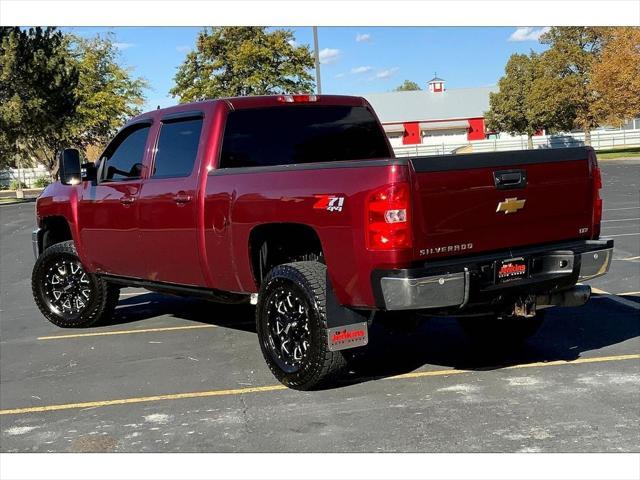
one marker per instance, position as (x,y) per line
(70,170)
(89,172)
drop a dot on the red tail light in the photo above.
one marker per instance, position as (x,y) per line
(297,98)
(596,218)
(388,219)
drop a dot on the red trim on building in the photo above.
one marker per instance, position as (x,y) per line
(411,135)
(476,129)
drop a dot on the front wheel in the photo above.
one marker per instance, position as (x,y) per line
(496,330)
(292,326)
(68,295)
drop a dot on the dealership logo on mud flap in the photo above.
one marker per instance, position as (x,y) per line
(348,336)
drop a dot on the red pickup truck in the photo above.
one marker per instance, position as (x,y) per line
(297,203)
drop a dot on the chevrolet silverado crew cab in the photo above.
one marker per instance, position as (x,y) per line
(297,203)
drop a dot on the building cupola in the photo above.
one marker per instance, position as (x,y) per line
(436,85)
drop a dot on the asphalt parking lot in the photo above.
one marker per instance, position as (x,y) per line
(178,375)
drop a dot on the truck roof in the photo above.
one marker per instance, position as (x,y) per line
(258,101)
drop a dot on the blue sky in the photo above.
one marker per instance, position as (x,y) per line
(355,60)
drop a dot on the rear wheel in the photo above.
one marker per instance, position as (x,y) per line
(496,329)
(292,326)
(65,293)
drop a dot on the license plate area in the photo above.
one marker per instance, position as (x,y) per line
(511,270)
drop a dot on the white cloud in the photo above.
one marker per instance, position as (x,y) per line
(329,55)
(363,69)
(363,37)
(339,75)
(384,74)
(293,43)
(123,46)
(183,48)
(527,34)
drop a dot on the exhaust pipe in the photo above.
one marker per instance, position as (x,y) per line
(574,297)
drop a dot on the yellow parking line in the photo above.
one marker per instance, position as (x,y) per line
(629,293)
(125,332)
(272,388)
(617,298)
(554,363)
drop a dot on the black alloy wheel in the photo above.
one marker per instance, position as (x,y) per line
(287,323)
(67,288)
(68,295)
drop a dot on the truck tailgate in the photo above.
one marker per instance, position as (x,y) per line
(476,203)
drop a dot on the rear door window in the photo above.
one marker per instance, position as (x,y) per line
(177,148)
(301,134)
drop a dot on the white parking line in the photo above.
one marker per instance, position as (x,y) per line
(621,220)
(617,299)
(624,234)
(624,208)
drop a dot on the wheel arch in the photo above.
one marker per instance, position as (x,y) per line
(54,229)
(272,244)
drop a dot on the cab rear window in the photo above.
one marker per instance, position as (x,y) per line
(301,134)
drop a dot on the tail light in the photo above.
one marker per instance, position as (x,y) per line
(297,98)
(596,217)
(388,218)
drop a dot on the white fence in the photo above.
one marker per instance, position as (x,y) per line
(599,140)
(27,175)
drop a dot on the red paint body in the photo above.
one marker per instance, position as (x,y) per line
(205,241)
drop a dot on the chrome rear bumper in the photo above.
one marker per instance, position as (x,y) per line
(410,289)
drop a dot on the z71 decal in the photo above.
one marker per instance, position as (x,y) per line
(331,203)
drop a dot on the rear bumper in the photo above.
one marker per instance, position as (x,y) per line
(462,283)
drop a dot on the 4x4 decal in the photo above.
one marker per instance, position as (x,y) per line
(331,203)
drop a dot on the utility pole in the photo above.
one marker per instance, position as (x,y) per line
(317,58)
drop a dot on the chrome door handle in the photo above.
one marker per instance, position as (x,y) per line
(126,201)
(182,198)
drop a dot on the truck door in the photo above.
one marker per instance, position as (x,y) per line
(168,203)
(108,211)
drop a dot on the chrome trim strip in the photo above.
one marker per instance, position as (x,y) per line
(467,287)
(35,244)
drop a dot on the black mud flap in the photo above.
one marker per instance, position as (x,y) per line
(347,328)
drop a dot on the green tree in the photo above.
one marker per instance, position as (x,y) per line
(37,83)
(510,109)
(407,85)
(237,61)
(565,90)
(108,94)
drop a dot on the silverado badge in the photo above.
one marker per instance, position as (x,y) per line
(510,205)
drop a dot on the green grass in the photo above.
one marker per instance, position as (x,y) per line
(5,200)
(628,152)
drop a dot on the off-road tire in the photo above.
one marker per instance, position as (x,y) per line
(103,296)
(319,366)
(501,330)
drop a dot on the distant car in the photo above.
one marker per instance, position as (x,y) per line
(297,203)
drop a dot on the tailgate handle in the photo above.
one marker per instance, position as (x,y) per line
(508,179)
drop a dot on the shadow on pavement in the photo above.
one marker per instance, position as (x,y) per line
(565,335)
